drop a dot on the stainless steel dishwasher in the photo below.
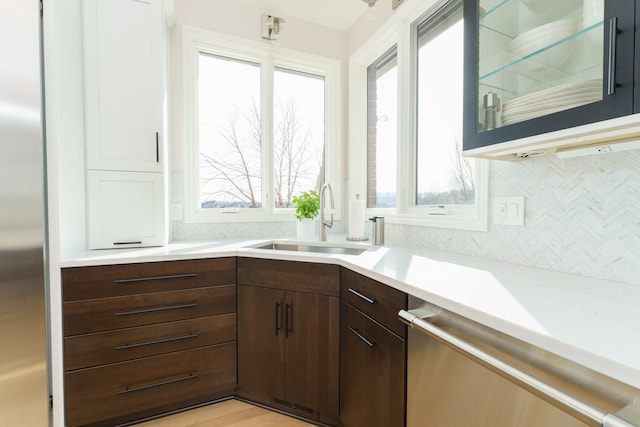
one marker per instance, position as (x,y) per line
(463,374)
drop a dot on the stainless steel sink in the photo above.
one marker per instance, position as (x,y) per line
(312,248)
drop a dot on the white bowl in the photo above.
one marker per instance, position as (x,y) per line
(541,37)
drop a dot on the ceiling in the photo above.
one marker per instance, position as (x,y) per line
(340,14)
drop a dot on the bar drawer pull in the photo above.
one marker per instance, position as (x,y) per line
(278,318)
(364,297)
(153,310)
(359,335)
(145,279)
(611,59)
(288,319)
(144,387)
(160,341)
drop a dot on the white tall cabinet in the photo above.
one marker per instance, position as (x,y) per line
(124,76)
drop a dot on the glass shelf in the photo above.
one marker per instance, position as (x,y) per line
(529,61)
(524,54)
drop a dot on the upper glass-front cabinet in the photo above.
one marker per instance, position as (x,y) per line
(535,66)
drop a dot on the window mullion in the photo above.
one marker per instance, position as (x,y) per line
(266,99)
(406,171)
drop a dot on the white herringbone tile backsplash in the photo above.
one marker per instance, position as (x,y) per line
(582,217)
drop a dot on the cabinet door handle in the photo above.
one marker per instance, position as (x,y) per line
(157,148)
(611,63)
(136,242)
(359,335)
(144,279)
(153,310)
(128,389)
(364,297)
(288,319)
(160,341)
(278,317)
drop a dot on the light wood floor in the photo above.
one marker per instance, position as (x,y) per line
(230,413)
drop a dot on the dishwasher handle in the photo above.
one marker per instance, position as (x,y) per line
(563,401)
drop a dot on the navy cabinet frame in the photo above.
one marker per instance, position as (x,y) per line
(624,101)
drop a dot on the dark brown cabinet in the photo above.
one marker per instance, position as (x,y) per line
(372,353)
(315,340)
(288,336)
(144,339)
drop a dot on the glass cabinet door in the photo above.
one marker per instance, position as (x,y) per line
(535,59)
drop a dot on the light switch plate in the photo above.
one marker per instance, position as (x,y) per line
(508,210)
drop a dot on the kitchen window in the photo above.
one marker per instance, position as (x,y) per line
(261,125)
(443,176)
(382,144)
(433,183)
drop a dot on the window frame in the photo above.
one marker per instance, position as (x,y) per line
(381,62)
(269,57)
(401,30)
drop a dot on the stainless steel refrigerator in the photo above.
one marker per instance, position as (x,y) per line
(24,384)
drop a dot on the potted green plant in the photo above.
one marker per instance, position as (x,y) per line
(307,208)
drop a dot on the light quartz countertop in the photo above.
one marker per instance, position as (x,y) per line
(595,323)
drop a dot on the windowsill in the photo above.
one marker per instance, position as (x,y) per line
(244,216)
(451,221)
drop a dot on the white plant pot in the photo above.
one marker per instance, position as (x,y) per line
(306,228)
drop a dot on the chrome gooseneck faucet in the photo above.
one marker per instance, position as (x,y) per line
(323,222)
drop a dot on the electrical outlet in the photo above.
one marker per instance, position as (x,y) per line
(508,210)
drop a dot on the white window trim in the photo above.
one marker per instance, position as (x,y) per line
(196,40)
(398,30)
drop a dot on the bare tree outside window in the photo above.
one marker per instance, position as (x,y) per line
(229,133)
(298,135)
(231,140)
(231,177)
(462,176)
(443,175)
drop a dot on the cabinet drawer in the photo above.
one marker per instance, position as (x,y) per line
(80,283)
(375,299)
(308,277)
(372,372)
(82,351)
(110,394)
(82,317)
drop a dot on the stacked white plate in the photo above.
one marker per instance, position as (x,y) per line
(551,100)
(541,37)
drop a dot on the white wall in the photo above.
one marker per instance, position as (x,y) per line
(65,120)
(65,162)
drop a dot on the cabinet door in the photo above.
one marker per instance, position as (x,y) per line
(528,73)
(123,84)
(312,354)
(372,372)
(126,209)
(260,344)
